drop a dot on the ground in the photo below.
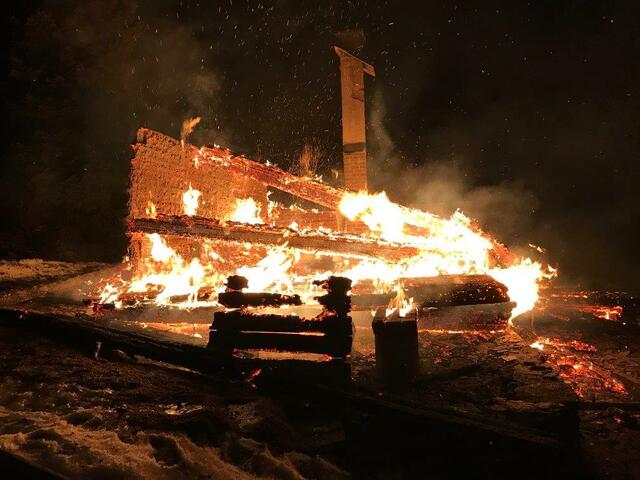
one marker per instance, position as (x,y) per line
(88,417)
(83,411)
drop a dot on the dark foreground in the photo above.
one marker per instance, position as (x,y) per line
(482,407)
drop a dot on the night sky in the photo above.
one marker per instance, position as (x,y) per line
(523,114)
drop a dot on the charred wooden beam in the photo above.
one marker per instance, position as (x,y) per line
(336,300)
(263,234)
(449,290)
(332,345)
(236,299)
(238,320)
(275,177)
(440,291)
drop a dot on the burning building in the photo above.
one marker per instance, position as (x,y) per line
(383,331)
(198,215)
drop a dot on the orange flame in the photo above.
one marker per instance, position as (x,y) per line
(444,246)
(190,201)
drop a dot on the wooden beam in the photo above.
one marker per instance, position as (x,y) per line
(275,177)
(236,299)
(336,244)
(332,345)
(239,320)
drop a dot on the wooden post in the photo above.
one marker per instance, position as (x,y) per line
(354,148)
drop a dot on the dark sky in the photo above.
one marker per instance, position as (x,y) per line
(523,114)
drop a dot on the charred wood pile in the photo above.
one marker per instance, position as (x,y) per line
(329,333)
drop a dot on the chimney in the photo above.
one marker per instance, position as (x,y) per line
(354,146)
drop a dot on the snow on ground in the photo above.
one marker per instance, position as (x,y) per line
(34,270)
(93,418)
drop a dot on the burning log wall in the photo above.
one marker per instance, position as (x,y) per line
(162,170)
(198,215)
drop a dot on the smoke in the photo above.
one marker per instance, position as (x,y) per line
(85,76)
(442,186)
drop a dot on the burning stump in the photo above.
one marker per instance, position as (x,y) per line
(396,340)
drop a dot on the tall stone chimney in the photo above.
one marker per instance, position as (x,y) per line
(354,142)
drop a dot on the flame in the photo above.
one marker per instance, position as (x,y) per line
(190,201)
(447,246)
(443,245)
(573,362)
(272,271)
(150,210)
(177,277)
(399,304)
(246,211)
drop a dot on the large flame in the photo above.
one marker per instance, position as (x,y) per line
(444,246)
(246,211)
(190,201)
(447,246)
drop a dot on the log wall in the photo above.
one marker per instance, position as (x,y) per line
(162,170)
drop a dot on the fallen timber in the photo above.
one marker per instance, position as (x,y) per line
(333,345)
(448,290)
(441,291)
(338,244)
(238,320)
(83,333)
(237,299)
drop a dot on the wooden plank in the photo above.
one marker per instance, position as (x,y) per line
(333,345)
(245,321)
(236,299)
(334,243)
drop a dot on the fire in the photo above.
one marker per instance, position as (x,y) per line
(168,269)
(447,246)
(400,304)
(443,246)
(604,312)
(272,271)
(246,211)
(150,210)
(190,201)
(573,363)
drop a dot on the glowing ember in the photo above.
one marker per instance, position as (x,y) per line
(603,311)
(571,359)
